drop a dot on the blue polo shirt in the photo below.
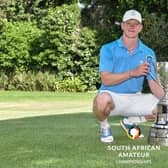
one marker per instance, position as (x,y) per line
(115,58)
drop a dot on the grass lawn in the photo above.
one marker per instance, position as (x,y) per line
(28,104)
(68,140)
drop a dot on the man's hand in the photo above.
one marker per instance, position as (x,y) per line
(142,69)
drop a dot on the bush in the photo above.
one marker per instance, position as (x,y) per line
(51,52)
(4,80)
(71,85)
(65,48)
(85,56)
(30,81)
(59,46)
(15,43)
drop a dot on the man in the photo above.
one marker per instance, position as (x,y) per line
(123,65)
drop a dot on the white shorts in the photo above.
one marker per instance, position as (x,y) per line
(132,104)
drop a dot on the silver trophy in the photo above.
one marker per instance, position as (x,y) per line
(158,133)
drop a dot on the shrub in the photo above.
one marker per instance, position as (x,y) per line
(85,56)
(31,81)
(22,81)
(52,48)
(15,41)
(4,80)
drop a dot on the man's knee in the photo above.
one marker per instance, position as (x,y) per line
(103,103)
(152,117)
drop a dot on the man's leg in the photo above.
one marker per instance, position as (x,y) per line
(153,116)
(150,117)
(141,111)
(142,119)
(102,106)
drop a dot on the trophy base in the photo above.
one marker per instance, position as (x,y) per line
(158,141)
(158,134)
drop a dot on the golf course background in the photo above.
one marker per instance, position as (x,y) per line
(62,132)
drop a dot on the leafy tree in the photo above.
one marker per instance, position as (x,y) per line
(155,34)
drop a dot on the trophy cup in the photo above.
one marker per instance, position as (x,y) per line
(158,133)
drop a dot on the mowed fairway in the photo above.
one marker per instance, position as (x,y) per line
(58,130)
(27,104)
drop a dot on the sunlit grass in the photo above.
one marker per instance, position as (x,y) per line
(69,140)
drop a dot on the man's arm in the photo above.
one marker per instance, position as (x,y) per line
(156,88)
(109,78)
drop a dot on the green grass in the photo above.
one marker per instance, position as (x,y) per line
(8,96)
(15,104)
(67,141)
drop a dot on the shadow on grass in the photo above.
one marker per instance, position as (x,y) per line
(69,140)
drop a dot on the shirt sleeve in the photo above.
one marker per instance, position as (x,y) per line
(151,59)
(106,60)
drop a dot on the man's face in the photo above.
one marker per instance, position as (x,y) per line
(131,28)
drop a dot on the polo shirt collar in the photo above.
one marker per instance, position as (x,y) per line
(121,44)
